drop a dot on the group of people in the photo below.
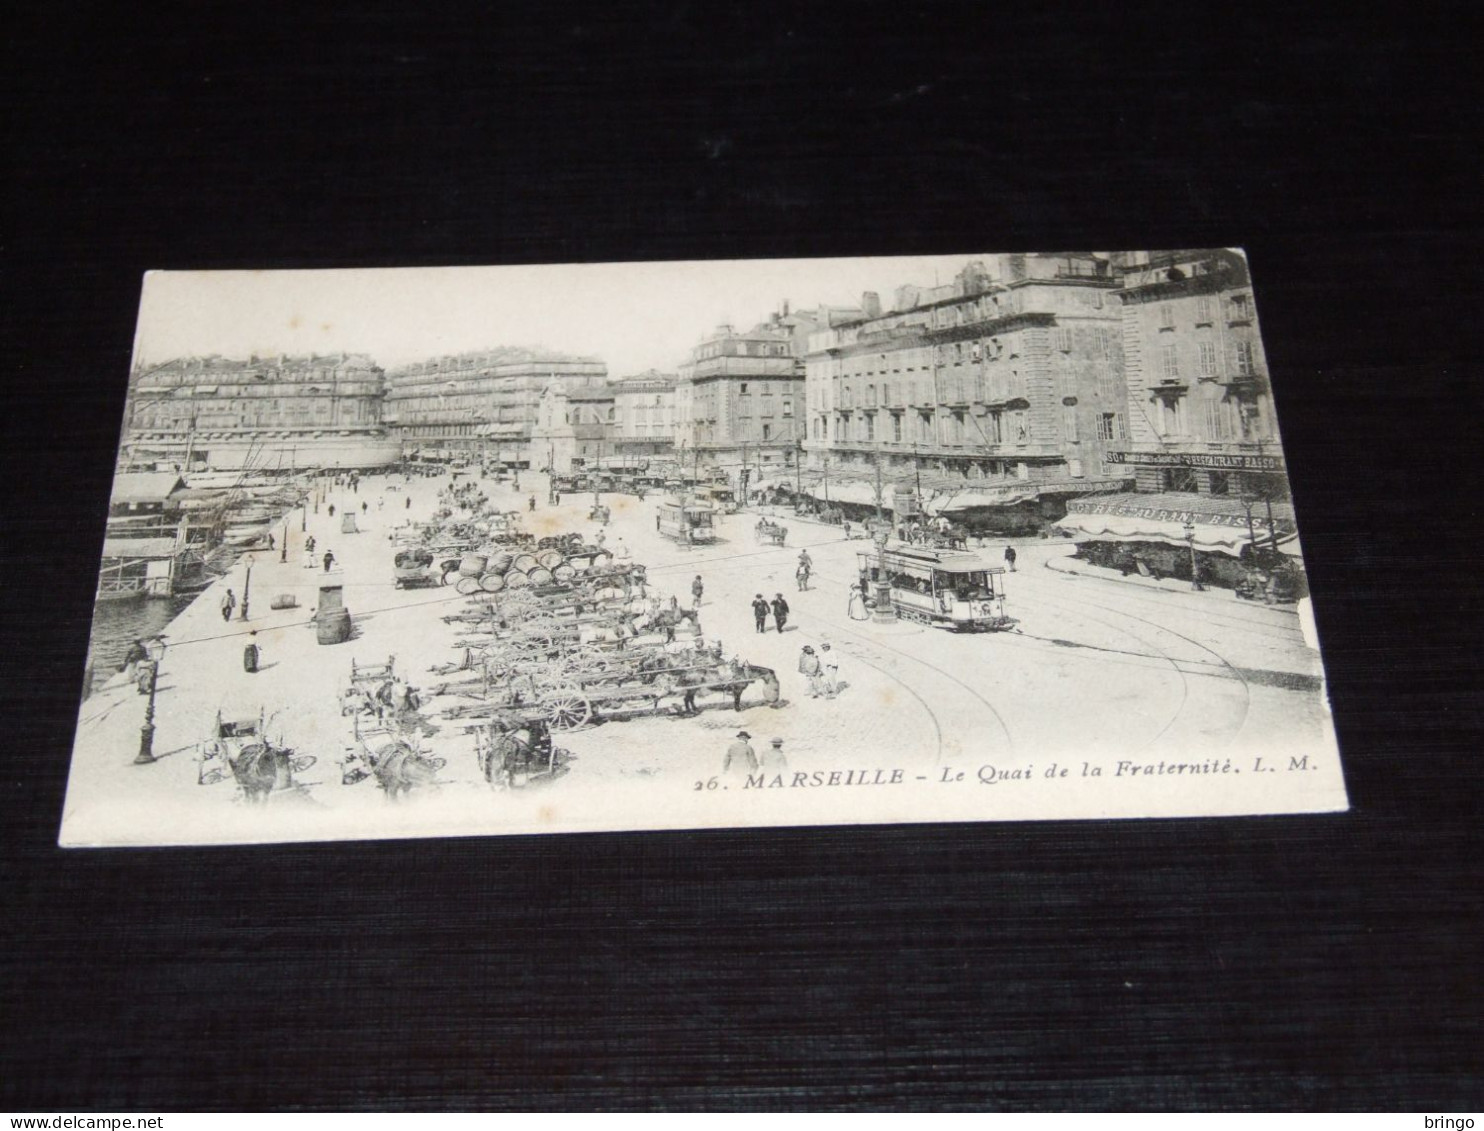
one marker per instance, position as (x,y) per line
(761,607)
(741,760)
(821,670)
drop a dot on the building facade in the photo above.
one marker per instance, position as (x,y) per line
(1200,410)
(575,429)
(480,404)
(740,396)
(644,415)
(1002,387)
(264,414)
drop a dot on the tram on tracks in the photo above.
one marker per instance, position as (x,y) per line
(950,589)
(688,522)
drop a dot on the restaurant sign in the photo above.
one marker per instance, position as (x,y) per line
(1215,460)
(1169,514)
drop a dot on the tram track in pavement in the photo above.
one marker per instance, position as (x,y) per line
(1224,668)
(1229,670)
(837,628)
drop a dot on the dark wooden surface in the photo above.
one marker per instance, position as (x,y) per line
(1284,962)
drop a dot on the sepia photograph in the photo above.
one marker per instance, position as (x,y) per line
(566,548)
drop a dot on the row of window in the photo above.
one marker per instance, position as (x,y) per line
(1238,308)
(1244,360)
(744,406)
(998,427)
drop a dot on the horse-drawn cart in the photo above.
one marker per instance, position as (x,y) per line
(773,533)
(238,749)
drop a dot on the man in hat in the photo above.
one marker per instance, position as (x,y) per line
(697,587)
(810,669)
(773,761)
(760,612)
(740,759)
(780,610)
(229,602)
(829,664)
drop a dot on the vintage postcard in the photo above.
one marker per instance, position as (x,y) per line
(450,552)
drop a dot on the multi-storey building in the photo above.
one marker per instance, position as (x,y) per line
(484,404)
(644,415)
(1201,438)
(269,414)
(740,398)
(1001,388)
(575,429)
(1200,411)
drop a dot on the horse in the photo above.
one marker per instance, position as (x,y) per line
(515,748)
(741,671)
(399,769)
(260,769)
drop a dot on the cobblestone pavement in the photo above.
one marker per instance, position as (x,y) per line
(1092,669)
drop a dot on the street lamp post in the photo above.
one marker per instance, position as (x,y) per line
(283,552)
(146,755)
(1195,573)
(884,612)
(246,587)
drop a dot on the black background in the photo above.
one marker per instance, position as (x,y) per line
(1279,962)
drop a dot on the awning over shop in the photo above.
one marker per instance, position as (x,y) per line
(1215,524)
(987,497)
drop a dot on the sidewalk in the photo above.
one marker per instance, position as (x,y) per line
(1078,568)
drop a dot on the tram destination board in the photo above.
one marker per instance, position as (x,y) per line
(471,551)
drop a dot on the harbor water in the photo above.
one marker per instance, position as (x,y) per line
(117,624)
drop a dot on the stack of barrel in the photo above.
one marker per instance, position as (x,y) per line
(506,570)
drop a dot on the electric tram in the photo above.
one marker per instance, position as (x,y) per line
(948,588)
(687,522)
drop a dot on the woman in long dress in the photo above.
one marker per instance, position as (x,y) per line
(857,607)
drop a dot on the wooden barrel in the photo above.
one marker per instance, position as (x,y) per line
(467,585)
(472,565)
(492,582)
(332,626)
(550,559)
(524,563)
(516,580)
(540,576)
(500,562)
(564,572)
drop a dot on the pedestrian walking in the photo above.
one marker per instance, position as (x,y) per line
(829,663)
(332,510)
(1010,558)
(329,560)
(532,504)
(801,575)
(229,602)
(856,607)
(780,611)
(810,669)
(272,545)
(407,502)
(309,543)
(772,760)
(696,589)
(760,613)
(365,506)
(740,758)
(250,654)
